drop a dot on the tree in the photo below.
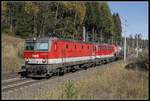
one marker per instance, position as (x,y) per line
(106,21)
(117,25)
(32,9)
(76,13)
(4,18)
(99,19)
(59,19)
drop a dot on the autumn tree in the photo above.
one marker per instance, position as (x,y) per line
(60,19)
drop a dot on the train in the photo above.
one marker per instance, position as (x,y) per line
(45,57)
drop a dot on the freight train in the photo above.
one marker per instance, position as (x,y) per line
(45,57)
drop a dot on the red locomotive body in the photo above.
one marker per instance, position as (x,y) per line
(46,56)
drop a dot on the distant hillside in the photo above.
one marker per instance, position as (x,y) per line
(12,49)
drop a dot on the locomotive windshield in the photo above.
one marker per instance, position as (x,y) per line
(37,46)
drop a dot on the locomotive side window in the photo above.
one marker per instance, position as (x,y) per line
(66,46)
(103,47)
(99,48)
(111,48)
(55,46)
(107,47)
(94,48)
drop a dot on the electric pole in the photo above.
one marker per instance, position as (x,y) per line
(137,49)
(139,45)
(125,48)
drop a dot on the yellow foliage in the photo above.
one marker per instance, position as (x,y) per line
(30,7)
(4,8)
(79,8)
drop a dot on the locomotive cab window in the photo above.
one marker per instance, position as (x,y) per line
(29,46)
(37,46)
(42,46)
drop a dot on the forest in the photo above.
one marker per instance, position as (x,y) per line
(61,19)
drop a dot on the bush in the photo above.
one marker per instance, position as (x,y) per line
(143,57)
(8,31)
(69,90)
(139,63)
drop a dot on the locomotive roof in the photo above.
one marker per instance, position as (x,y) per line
(37,39)
(45,39)
(79,41)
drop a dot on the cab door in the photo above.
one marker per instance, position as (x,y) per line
(94,51)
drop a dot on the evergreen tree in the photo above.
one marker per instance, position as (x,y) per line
(117,26)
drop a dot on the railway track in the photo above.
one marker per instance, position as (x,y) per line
(14,83)
(18,83)
(12,87)
(29,89)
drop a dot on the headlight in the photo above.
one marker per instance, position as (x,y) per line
(26,60)
(44,60)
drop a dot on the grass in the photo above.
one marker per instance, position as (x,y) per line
(12,49)
(107,83)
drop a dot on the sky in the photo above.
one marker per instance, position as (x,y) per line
(134,17)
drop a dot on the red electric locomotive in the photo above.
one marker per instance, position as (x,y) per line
(45,57)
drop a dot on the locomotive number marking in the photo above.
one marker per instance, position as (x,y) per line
(35,55)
